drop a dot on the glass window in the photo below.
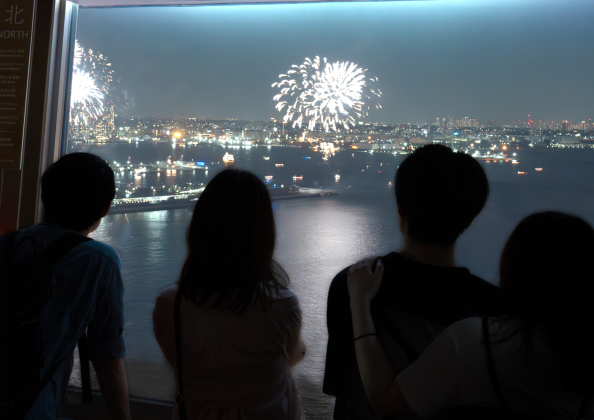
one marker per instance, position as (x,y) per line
(169,96)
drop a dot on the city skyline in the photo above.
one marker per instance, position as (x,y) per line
(489,60)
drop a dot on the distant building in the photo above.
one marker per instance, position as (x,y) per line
(448,123)
(419,141)
(364,146)
(255,135)
(560,139)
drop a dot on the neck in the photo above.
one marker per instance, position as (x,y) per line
(90,229)
(432,254)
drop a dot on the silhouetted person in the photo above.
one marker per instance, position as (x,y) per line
(87,292)
(534,362)
(240,323)
(438,193)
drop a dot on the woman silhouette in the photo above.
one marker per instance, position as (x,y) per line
(239,324)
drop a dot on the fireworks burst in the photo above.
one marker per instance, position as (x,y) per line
(86,100)
(78,54)
(330,94)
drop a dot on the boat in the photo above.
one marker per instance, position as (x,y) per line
(228,158)
(300,177)
(279,165)
(266,158)
(538,169)
(268,177)
(521,173)
(190,165)
(337,177)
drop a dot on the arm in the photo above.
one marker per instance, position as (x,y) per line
(105,335)
(297,354)
(377,374)
(114,387)
(296,347)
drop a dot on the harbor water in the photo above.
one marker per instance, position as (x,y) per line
(317,237)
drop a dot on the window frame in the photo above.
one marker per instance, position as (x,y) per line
(54,145)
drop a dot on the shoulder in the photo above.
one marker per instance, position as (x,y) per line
(102,250)
(284,293)
(168,294)
(339,282)
(35,239)
(285,301)
(163,310)
(468,333)
(468,327)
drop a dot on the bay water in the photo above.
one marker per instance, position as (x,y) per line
(316,237)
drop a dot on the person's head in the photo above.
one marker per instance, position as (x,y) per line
(547,272)
(230,243)
(77,191)
(439,193)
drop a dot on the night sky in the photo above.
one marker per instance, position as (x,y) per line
(497,60)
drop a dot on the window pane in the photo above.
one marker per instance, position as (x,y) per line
(170,96)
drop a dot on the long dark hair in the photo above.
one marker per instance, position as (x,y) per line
(230,244)
(547,271)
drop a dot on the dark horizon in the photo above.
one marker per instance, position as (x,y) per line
(479,59)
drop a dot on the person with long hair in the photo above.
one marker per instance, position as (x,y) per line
(239,322)
(536,362)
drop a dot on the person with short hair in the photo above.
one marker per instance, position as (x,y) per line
(535,362)
(239,322)
(76,192)
(438,195)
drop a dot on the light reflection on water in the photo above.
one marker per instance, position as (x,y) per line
(317,238)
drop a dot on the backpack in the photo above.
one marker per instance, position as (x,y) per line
(25,288)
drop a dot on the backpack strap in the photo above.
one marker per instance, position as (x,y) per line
(51,256)
(61,246)
(491,364)
(177,326)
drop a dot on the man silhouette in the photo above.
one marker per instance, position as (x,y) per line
(88,295)
(438,194)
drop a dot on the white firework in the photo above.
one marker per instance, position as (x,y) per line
(330,94)
(86,99)
(78,54)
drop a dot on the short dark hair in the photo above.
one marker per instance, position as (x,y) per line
(442,192)
(75,189)
(230,243)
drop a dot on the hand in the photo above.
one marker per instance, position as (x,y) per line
(361,261)
(363,283)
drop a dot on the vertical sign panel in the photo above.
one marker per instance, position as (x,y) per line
(16,33)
